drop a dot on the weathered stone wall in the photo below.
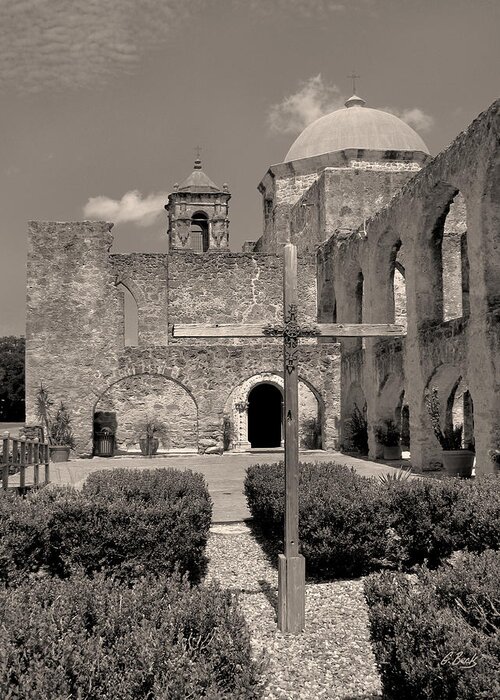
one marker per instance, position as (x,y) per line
(340,200)
(426,221)
(148,396)
(75,334)
(146,277)
(210,374)
(235,288)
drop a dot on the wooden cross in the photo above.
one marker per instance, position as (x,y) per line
(291,564)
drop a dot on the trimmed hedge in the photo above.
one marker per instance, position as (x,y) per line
(436,634)
(94,639)
(350,525)
(343,516)
(123,524)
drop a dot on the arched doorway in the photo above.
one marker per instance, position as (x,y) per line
(265,416)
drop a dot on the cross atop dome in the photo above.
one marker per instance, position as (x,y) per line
(353,77)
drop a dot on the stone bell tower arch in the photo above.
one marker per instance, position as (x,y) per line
(198,214)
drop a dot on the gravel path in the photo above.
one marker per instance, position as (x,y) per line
(332,658)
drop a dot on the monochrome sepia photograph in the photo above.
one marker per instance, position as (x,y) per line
(250,350)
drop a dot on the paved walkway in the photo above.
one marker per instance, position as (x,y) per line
(224,474)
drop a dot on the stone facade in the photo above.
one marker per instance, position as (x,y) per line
(382,237)
(440,231)
(75,336)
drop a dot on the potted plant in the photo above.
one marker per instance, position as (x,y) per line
(150,433)
(56,428)
(457,460)
(388,435)
(356,429)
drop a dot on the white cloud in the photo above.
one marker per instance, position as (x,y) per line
(311,101)
(64,44)
(414,117)
(131,208)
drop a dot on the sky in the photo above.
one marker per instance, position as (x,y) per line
(102,103)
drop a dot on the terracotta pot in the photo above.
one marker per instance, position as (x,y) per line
(458,462)
(59,453)
(153,445)
(392,452)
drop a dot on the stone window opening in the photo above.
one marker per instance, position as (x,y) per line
(398,285)
(199,232)
(130,324)
(454,259)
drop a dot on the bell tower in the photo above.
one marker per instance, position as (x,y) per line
(198,214)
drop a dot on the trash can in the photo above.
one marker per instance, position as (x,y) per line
(105,443)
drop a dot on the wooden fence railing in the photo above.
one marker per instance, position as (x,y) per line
(19,454)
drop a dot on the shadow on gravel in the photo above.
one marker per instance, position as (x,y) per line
(270,593)
(270,548)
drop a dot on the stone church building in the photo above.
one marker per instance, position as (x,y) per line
(384,232)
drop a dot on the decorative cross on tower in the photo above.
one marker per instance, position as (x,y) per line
(291,564)
(353,77)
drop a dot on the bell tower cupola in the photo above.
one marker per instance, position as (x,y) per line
(198,213)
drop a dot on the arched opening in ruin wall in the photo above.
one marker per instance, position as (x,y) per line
(456,404)
(440,256)
(139,397)
(311,412)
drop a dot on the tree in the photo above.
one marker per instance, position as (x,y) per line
(12,379)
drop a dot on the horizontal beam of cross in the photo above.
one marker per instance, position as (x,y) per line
(258,330)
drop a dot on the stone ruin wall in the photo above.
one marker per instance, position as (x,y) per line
(452,303)
(235,288)
(339,201)
(75,338)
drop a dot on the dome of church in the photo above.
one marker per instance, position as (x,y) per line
(355,126)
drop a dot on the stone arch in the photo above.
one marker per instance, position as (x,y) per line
(350,294)
(387,288)
(135,396)
(440,254)
(399,291)
(311,406)
(390,396)
(455,400)
(199,235)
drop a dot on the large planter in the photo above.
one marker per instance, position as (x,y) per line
(149,447)
(458,463)
(392,452)
(59,453)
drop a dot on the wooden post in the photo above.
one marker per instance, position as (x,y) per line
(36,462)
(22,462)
(5,461)
(291,564)
(46,459)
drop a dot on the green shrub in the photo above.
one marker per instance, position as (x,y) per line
(94,639)
(350,525)
(421,513)
(122,524)
(476,516)
(436,635)
(147,484)
(343,516)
